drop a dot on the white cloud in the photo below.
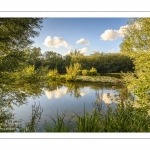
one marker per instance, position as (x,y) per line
(113,34)
(83,50)
(56,42)
(67,53)
(56,93)
(111,51)
(83,41)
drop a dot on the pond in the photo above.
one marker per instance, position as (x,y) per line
(69,97)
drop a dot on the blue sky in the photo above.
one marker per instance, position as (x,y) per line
(62,35)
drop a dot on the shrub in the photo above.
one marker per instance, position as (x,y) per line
(79,72)
(63,77)
(93,72)
(72,71)
(85,72)
(53,74)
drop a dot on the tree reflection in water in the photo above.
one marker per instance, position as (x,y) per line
(17,95)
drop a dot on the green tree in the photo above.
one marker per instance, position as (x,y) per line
(17,78)
(16,33)
(34,56)
(54,61)
(136,45)
(136,35)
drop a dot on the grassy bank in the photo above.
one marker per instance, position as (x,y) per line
(116,75)
(99,79)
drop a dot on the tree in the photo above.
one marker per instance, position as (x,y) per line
(18,79)
(34,56)
(16,33)
(53,60)
(136,35)
(136,44)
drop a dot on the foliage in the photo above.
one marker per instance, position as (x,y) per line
(139,83)
(12,61)
(85,72)
(72,71)
(116,75)
(60,125)
(18,78)
(5,117)
(103,63)
(93,71)
(136,35)
(62,77)
(16,33)
(53,75)
(79,72)
(33,56)
(97,79)
(124,118)
(89,122)
(136,45)
(33,125)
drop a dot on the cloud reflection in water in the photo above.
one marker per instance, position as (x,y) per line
(62,91)
(56,93)
(110,98)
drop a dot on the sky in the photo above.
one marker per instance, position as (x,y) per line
(87,35)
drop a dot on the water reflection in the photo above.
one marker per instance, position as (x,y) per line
(15,95)
(56,93)
(84,92)
(110,98)
(59,92)
(70,96)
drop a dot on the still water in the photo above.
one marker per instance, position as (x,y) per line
(69,97)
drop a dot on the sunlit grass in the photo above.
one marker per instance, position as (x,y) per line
(101,79)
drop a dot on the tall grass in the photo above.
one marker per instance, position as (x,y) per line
(57,125)
(124,118)
(89,122)
(33,125)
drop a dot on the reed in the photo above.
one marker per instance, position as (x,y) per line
(124,118)
(58,124)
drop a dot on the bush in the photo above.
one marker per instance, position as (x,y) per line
(72,71)
(53,74)
(79,72)
(85,72)
(93,72)
(63,77)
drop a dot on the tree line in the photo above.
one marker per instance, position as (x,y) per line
(103,62)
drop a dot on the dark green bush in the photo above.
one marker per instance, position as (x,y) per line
(79,72)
